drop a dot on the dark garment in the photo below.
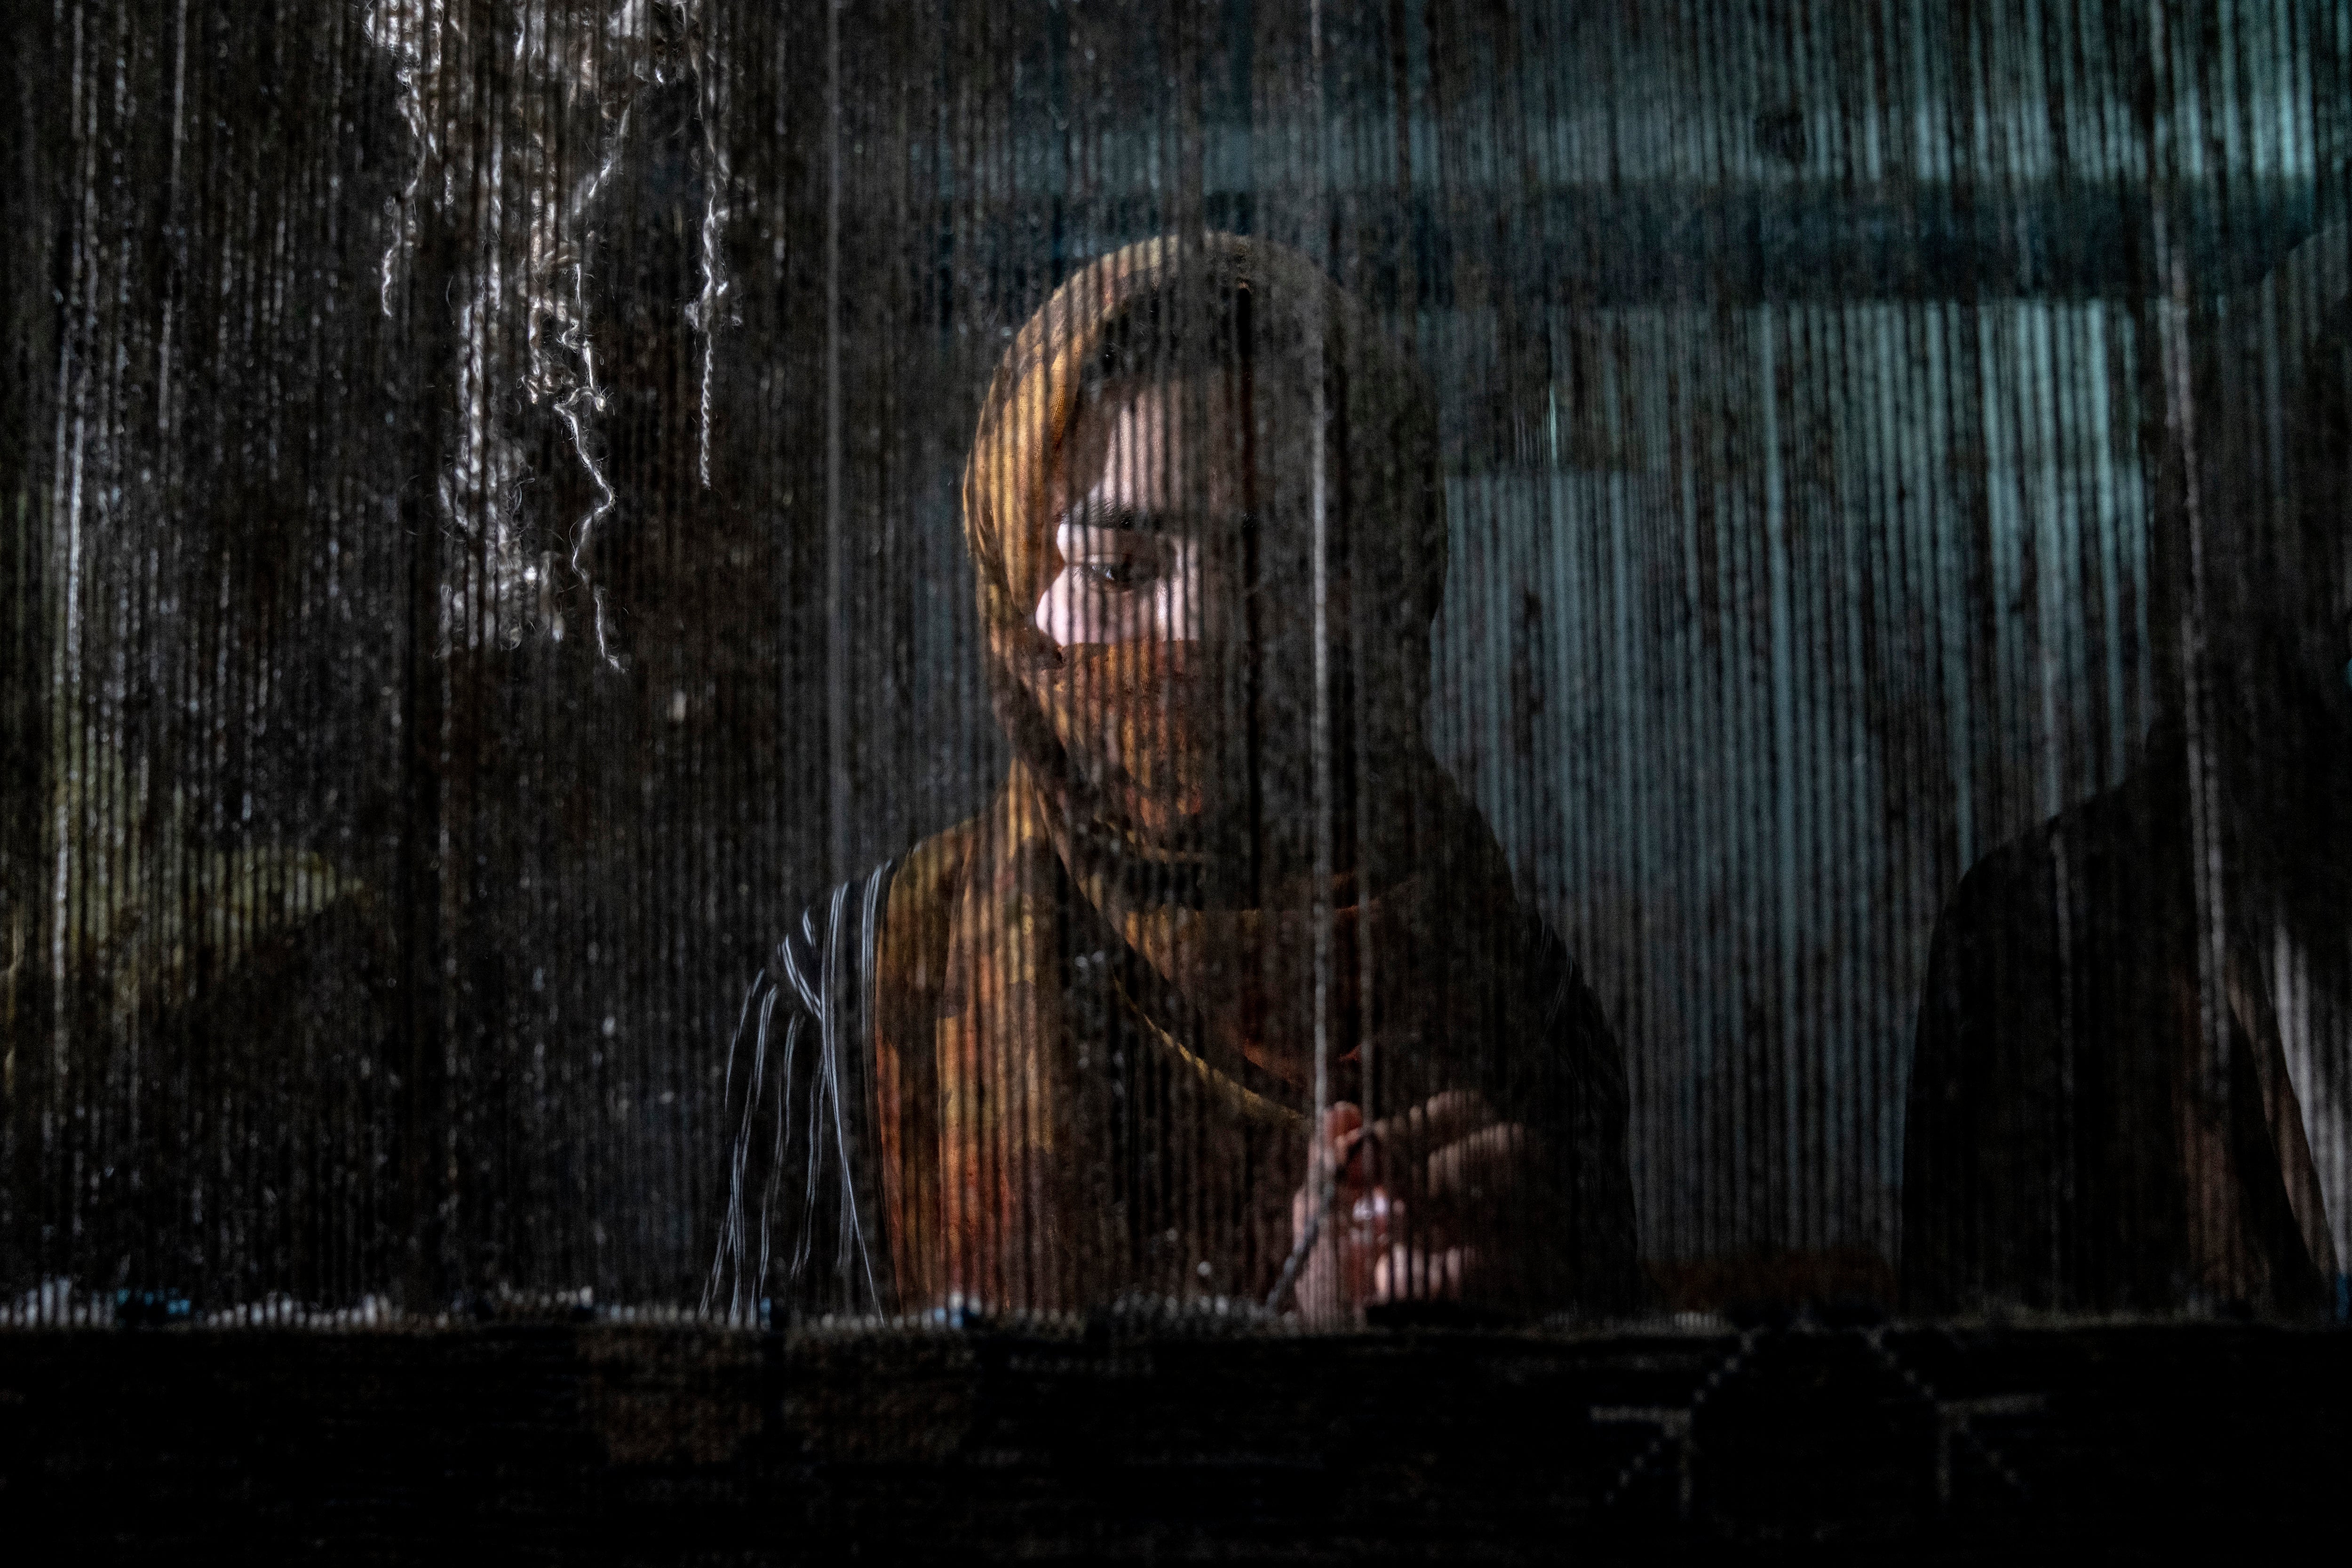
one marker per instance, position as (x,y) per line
(799,1217)
(2072,1141)
(1175,1176)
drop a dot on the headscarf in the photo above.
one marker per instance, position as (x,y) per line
(1124,1022)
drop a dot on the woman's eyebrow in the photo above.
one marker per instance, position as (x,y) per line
(1117,515)
(1112,515)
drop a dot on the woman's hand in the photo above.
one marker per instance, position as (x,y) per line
(1414,1208)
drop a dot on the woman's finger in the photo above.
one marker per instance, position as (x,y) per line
(1424,1274)
(1341,1157)
(1487,1163)
(1440,1119)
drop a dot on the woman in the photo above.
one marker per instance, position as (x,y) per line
(1226,994)
(2133,1074)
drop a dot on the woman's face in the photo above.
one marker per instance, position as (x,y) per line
(1151,508)
(1134,518)
(1198,527)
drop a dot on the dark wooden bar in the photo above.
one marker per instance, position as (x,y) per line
(548,1441)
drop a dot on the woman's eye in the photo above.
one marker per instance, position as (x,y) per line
(1123,572)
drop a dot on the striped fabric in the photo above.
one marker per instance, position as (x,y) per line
(802,1228)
